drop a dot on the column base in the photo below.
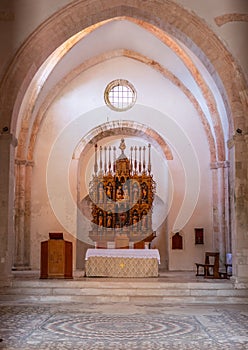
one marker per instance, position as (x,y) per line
(21,268)
(239,282)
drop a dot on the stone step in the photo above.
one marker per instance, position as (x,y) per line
(124,290)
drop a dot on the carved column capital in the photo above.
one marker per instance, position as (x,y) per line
(220,164)
(24,162)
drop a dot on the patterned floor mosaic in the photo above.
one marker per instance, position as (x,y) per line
(119,327)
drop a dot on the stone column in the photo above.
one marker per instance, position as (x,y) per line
(22,215)
(238,147)
(221,232)
(7,146)
(27,215)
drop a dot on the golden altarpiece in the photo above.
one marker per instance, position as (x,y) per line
(122,192)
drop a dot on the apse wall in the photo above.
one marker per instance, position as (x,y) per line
(161,106)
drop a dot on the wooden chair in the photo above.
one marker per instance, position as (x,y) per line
(210,269)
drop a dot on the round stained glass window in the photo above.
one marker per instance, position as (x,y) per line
(120,95)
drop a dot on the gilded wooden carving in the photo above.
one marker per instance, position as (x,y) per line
(122,192)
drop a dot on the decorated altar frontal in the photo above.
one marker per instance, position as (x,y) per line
(122,262)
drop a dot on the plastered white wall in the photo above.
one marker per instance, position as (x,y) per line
(72,116)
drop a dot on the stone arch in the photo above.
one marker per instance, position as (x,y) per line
(118,129)
(168,16)
(123,128)
(82,14)
(216,149)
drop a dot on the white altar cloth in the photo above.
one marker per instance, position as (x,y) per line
(124,253)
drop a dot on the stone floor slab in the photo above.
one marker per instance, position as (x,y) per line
(123,326)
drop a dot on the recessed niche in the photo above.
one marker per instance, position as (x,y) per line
(199,235)
(177,241)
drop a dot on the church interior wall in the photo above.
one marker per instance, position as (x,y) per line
(67,121)
(200,124)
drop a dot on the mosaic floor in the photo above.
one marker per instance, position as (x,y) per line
(123,326)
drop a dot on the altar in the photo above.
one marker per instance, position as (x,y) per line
(122,262)
(121,194)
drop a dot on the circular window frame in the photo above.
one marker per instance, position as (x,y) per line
(111,86)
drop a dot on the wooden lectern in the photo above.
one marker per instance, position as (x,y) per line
(56,257)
